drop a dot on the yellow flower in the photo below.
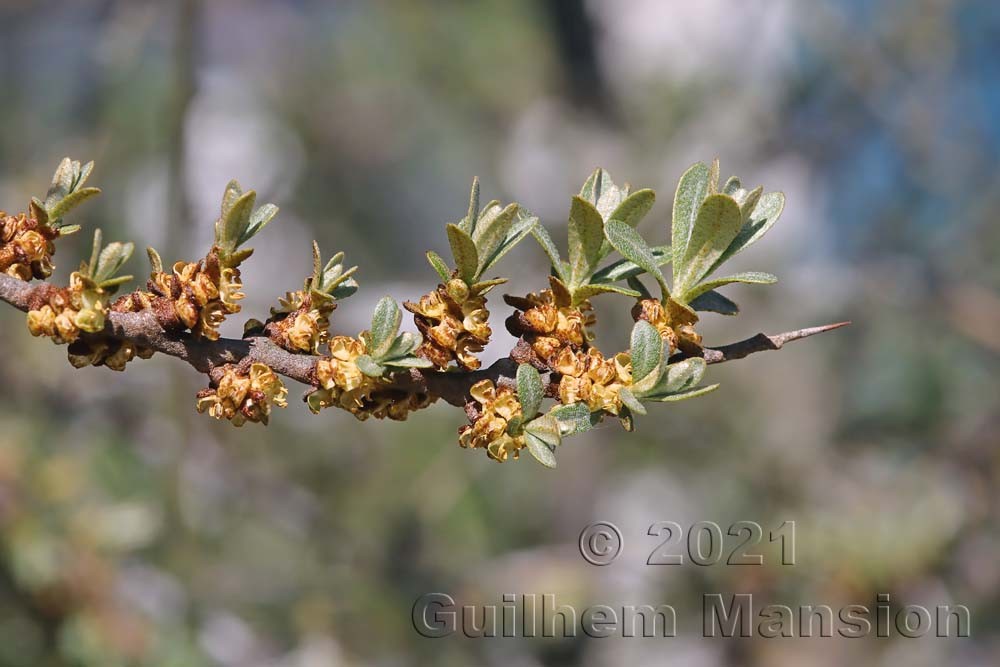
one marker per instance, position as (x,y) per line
(497,407)
(454,323)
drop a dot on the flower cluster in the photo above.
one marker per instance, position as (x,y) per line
(498,407)
(549,322)
(26,246)
(202,292)
(244,395)
(343,385)
(303,323)
(455,324)
(590,378)
(674,322)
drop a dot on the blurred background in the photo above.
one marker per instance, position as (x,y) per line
(134,531)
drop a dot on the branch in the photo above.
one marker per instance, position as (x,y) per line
(207,356)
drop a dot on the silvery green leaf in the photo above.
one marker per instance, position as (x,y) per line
(258,220)
(748,202)
(626,268)
(680,376)
(530,389)
(546,429)
(764,215)
(538,449)
(404,344)
(464,250)
(112,284)
(518,230)
(627,241)
(66,230)
(593,289)
(749,277)
(385,324)
(714,302)
(438,265)
(491,233)
(62,181)
(718,222)
(84,174)
(344,289)
(468,224)
(691,192)
(683,396)
(732,186)
(232,226)
(647,350)
(407,362)
(575,418)
(631,211)
(542,236)
(71,201)
(95,252)
(484,286)
(112,258)
(585,238)
(232,193)
(154,259)
(596,185)
(631,402)
(369,366)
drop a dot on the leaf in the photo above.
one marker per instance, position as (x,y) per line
(683,396)
(718,222)
(258,220)
(520,229)
(438,265)
(626,268)
(732,186)
(111,260)
(647,350)
(491,232)
(484,286)
(715,303)
(596,185)
(530,390)
(95,252)
(575,418)
(748,202)
(538,449)
(62,182)
(635,207)
(234,223)
(680,376)
(154,260)
(636,284)
(763,217)
(385,324)
(403,345)
(631,402)
(369,366)
(546,429)
(469,222)
(232,193)
(71,201)
(748,277)
(542,236)
(585,238)
(691,191)
(464,250)
(632,247)
(593,289)
(408,362)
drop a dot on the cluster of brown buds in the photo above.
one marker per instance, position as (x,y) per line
(64,314)
(26,247)
(455,324)
(550,323)
(674,321)
(243,393)
(491,411)
(301,323)
(590,378)
(26,239)
(343,384)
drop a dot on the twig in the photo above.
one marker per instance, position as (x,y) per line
(207,356)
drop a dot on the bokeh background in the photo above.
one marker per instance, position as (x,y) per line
(135,532)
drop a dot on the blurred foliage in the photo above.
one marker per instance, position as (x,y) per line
(139,535)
